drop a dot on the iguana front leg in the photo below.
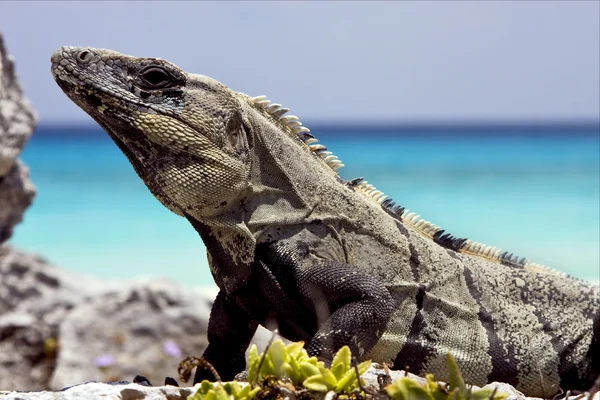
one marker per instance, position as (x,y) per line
(359,304)
(326,303)
(230,330)
(350,308)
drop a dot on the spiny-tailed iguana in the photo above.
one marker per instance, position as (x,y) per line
(327,261)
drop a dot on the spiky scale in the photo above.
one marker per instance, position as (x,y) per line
(317,147)
(272,108)
(262,103)
(305,136)
(356,181)
(288,118)
(258,99)
(280,112)
(300,130)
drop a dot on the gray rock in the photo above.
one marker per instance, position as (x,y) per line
(17,118)
(16,194)
(143,327)
(17,121)
(93,390)
(29,289)
(58,328)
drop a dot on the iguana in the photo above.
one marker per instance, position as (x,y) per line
(327,261)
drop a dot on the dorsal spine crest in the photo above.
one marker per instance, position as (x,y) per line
(292,126)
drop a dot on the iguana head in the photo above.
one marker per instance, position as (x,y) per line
(184,134)
(227,162)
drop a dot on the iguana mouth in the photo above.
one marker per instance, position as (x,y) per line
(96,97)
(73,80)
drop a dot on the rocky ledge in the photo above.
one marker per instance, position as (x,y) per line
(58,328)
(17,121)
(134,391)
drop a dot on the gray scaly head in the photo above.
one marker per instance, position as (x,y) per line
(183,133)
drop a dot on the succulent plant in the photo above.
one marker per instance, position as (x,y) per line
(407,389)
(290,367)
(224,391)
(292,362)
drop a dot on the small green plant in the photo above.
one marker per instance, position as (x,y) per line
(292,362)
(290,368)
(407,389)
(224,391)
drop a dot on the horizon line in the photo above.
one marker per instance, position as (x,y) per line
(398,124)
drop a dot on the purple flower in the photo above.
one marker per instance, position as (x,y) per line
(104,361)
(171,349)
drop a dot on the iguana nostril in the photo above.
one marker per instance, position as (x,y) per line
(84,56)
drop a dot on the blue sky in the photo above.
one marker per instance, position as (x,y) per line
(340,61)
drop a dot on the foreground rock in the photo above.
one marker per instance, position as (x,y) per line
(133,391)
(17,121)
(94,390)
(59,329)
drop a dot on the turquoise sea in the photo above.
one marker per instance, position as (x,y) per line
(532,190)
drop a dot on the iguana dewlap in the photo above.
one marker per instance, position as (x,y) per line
(330,262)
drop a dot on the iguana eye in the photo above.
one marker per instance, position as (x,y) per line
(155,77)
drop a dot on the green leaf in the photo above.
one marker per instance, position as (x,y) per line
(228,387)
(253,360)
(455,379)
(254,392)
(328,377)
(309,370)
(311,360)
(486,394)
(434,388)
(407,389)
(295,374)
(454,394)
(253,354)
(205,387)
(210,395)
(242,392)
(316,383)
(278,356)
(267,368)
(295,349)
(220,393)
(341,362)
(346,382)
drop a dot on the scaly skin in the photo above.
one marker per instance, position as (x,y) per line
(330,262)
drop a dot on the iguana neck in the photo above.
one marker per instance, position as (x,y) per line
(279,179)
(273,197)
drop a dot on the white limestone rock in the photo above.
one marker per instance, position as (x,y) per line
(17,121)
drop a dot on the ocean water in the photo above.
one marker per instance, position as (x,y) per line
(534,191)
